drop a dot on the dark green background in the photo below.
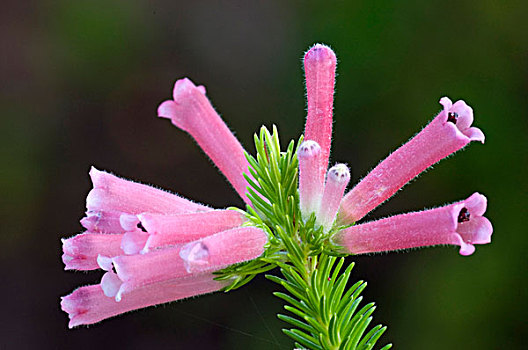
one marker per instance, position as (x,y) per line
(81,81)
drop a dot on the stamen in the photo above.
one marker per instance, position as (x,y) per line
(464,215)
(452,117)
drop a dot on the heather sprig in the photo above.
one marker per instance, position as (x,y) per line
(325,312)
(158,247)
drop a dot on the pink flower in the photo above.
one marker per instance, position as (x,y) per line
(157,246)
(311,180)
(88,305)
(209,254)
(319,68)
(446,134)
(191,111)
(336,182)
(459,224)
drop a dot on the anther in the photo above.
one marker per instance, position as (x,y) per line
(452,117)
(464,215)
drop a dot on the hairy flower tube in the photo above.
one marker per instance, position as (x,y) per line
(152,240)
(447,133)
(158,247)
(459,224)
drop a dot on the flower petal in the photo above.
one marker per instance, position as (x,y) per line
(134,241)
(475,134)
(81,251)
(102,221)
(465,114)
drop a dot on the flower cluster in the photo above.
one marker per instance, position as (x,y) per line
(157,247)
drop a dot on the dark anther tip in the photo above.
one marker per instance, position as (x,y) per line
(452,117)
(464,215)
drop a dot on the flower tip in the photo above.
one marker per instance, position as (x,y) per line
(194,255)
(87,222)
(93,171)
(202,89)
(134,241)
(97,176)
(128,222)
(184,86)
(320,53)
(147,222)
(104,262)
(67,244)
(111,284)
(339,173)
(167,109)
(484,232)
(476,204)
(308,149)
(70,305)
(446,102)
(66,260)
(475,134)
(94,200)
(172,109)
(466,249)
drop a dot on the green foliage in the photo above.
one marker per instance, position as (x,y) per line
(326,314)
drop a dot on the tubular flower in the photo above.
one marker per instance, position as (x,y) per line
(209,254)
(191,111)
(446,134)
(88,305)
(311,181)
(157,246)
(319,68)
(459,224)
(336,182)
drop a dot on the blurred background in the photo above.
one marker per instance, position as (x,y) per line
(81,81)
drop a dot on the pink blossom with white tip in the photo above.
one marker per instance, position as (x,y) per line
(192,112)
(311,181)
(336,182)
(447,133)
(459,224)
